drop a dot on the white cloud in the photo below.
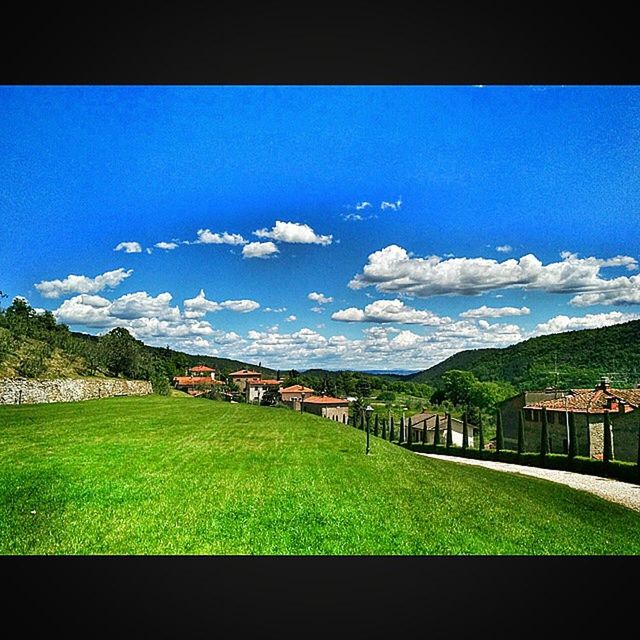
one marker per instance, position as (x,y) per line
(392,269)
(504,248)
(389,311)
(391,205)
(128,247)
(353,217)
(167,246)
(320,298)
(199,306)
(82,284)
(619,291)
(294,232)
(495,312)
(141,304)
(290,318)
(589,321)
(363,205)
(276,310)
(259,250)
(207,237)
(317,309)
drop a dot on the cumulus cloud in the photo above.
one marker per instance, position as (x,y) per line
(353,217)
(82,284)
(294,232)
(392,269)
(205,236)
(290,318)
(167,246)
(128,247)
(589,321)
(276,309)
(618,291)
(391,205)
(259,250)
(320,298)
(199,306)
(363,205)
(141,304)
(495,312)
(389,311)
(504,248)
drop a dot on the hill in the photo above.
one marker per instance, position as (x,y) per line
(162,475)
(581,358)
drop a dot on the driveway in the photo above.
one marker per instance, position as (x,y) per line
(624,493)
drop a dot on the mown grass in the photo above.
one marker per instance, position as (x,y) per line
(177,475)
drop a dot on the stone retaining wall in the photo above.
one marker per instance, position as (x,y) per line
(23,391)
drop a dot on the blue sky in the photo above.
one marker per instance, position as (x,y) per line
(396,208)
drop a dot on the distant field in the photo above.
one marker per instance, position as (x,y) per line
(179,475)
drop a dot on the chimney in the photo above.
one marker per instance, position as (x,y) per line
(604,383)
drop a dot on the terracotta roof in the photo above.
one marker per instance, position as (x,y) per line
(259,382)
(188,381)
(297,388)
(325,400)
(201,368)
(591,400)
(245,372)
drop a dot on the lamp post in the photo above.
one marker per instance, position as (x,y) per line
(368,411)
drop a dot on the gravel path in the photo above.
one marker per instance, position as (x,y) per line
(624,493)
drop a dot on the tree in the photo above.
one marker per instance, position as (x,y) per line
(391,429)
(573,443)
(465,435)
(401,431)
(499,432)
(520,432)
(449,432)
(544,434)
(376,425)
(607,453)
(459,386)
(122,354)
(409,434)
(436,433)
(384,428)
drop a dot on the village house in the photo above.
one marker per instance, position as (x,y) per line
(336,409)
(197,380)
(255,388)
(587,406)
(422,421)
(243,375)
(295,392)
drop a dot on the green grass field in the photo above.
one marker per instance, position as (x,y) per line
(178,475)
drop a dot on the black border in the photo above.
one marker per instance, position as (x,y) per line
(359,43)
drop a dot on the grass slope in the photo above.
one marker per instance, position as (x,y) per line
(159,475)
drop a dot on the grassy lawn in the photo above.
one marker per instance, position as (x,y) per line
(180,475)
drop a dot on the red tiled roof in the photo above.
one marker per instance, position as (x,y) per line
(259,382)
(325,400)
(245,372)
(591,400)
(188,381)
(296,388)
(199,368)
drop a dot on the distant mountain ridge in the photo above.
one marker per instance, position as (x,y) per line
(579,357)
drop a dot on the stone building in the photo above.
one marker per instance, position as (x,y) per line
(254,389)
(588,407)
(243,375)
(422,421)
(295,392)
(336,409)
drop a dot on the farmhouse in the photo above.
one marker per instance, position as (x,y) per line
(243,375)
(328,407)
(255,388)
(587,407)
(295,392)
(197,380)
(422,421)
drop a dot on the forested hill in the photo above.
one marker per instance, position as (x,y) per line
(581,357)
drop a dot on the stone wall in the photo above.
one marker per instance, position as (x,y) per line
(23,391)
